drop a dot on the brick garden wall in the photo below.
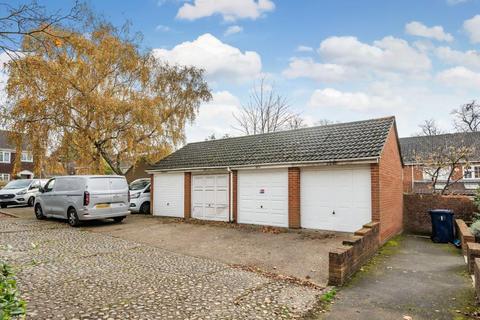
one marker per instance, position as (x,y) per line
(464,234)
(416,207)
(348,259)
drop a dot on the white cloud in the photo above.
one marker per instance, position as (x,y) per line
(460,77)
(232,30)
(215,117)
(472,27)
(353,101)
(387,55)
(470,58)
(416,28)
(162,28)
(220,60)
(304,49)
(230,10)
(307,68)
(455,2)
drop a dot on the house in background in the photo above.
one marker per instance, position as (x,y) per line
(334,177)
(8,156)
(137,171)
(415,180)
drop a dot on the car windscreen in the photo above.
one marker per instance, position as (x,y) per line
(139,185)
(18,184)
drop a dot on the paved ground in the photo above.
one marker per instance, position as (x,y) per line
(68,273)
(412,277)
(300,254)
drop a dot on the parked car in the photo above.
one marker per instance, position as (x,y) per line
(140,196)
(80,198)
(18,192)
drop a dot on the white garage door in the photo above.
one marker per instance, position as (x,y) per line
(168,194)
(210,197)
(263,197)
(335,198)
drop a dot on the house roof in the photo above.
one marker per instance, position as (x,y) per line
(7,143)
(353,141)
(413,147)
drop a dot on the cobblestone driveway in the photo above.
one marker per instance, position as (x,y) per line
(66,273)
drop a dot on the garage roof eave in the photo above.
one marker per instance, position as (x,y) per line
(365,160)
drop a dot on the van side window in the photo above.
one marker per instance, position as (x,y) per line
(119,184)
(49,185)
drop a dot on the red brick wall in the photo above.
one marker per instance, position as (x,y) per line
(234,194)
(390,188)
(464,234)
(294,197)
(187,195)
(8,167)
(417,218)
(375,193)
(345,261)
(408,179)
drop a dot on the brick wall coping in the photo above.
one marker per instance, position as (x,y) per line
(464,234)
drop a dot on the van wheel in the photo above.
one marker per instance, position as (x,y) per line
(3,206)
(72,216)
(118,219)
(39,212)
(31,201)
(145,208)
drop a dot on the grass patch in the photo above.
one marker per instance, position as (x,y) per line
(322,305)
(328,296)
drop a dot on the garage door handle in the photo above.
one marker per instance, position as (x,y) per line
(168,204)
(261,207)
(333,212)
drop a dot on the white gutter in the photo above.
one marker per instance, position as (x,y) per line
(276,165)
(230,202)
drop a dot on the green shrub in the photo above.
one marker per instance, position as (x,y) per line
(476,200)
(475,228)
(11,306)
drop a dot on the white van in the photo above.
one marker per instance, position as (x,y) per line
(140,196)
(79,198)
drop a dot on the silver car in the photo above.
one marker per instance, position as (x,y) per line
(140,196)
(79,198)
(21,191)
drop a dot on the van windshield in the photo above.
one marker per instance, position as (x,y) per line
(18,184)
(139,185)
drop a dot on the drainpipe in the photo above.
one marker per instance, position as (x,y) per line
(230,207)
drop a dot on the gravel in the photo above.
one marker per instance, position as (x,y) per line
(67,273)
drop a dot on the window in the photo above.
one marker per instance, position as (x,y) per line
(99,184)
(49,185)
(442,174)
(5,156)
(4,177)
(27,156)
(471,172)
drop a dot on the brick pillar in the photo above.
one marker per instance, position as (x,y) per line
(294,197)
(234,194)
(375,186)
(187,195)
(151,194)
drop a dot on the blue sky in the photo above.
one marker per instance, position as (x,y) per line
(337,60)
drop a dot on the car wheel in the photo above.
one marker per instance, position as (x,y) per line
(72,217)
(3,206)
(31,201)
(118,219)
(145,208)
(39,212)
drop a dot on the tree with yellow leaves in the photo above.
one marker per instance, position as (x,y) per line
(98,99)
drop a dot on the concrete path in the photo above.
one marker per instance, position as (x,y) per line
(412,277)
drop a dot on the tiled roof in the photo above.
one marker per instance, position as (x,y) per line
(337,142)
(413,147)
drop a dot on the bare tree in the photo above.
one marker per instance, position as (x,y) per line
(266,111)
(296,122)
(30,21)
(324,122)
(467,117)
(441,164)
(429,128)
